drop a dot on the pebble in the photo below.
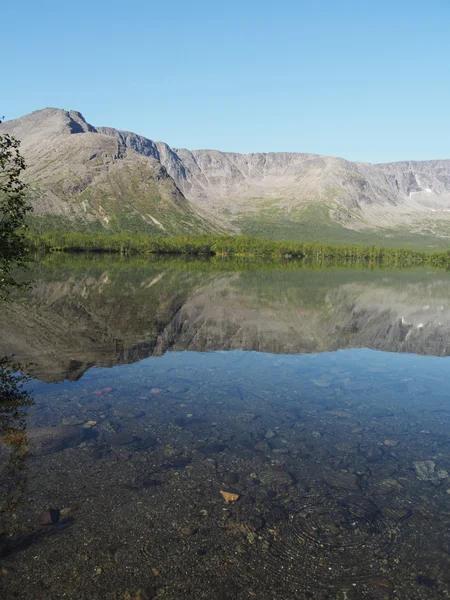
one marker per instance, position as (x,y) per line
(187,531)
(65,513)
(231,478)
(50,516)
(390,443)
(270,434)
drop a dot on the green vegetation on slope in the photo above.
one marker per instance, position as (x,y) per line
(313,224)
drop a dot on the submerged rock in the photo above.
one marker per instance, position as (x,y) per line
(231,478)
(390,443)
(147,443)
(72,421)
(389,486)
(373,453)
(121,439)
(341,480)
(146,593)
(46,440)
(426,470)
(50,516)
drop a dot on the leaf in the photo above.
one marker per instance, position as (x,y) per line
(229,496)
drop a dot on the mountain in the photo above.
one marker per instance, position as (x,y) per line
(118,180)
(89,180)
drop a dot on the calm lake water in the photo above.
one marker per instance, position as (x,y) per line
(218,430)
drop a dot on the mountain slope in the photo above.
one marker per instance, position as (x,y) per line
(109,177)
(92,180)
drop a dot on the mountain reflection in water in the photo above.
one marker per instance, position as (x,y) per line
(100,312)
(337,462)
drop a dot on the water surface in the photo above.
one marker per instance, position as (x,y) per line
(318,397)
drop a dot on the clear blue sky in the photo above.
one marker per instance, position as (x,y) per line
(367,80)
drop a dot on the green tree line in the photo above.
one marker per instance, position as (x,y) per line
(237,246)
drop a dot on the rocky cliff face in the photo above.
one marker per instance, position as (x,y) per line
(97,172)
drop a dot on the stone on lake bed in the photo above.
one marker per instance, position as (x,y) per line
(46,440)
(388,486)
(390,443)
(373,453)
(277,477)
(231,478)
(147,443)
(50,516)
(120,439)
(341,480)
(270,434)
(72,421)
(425,470)
(178,389)
(136,414)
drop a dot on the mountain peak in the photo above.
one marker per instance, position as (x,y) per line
(47,122)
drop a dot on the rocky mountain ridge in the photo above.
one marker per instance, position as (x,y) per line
(95,173)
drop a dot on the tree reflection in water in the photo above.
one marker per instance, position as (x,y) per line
(14,402)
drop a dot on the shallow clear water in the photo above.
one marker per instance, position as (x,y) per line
(317,398)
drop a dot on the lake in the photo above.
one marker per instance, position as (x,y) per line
(226,430)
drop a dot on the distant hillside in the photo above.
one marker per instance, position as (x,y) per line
(102,178)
